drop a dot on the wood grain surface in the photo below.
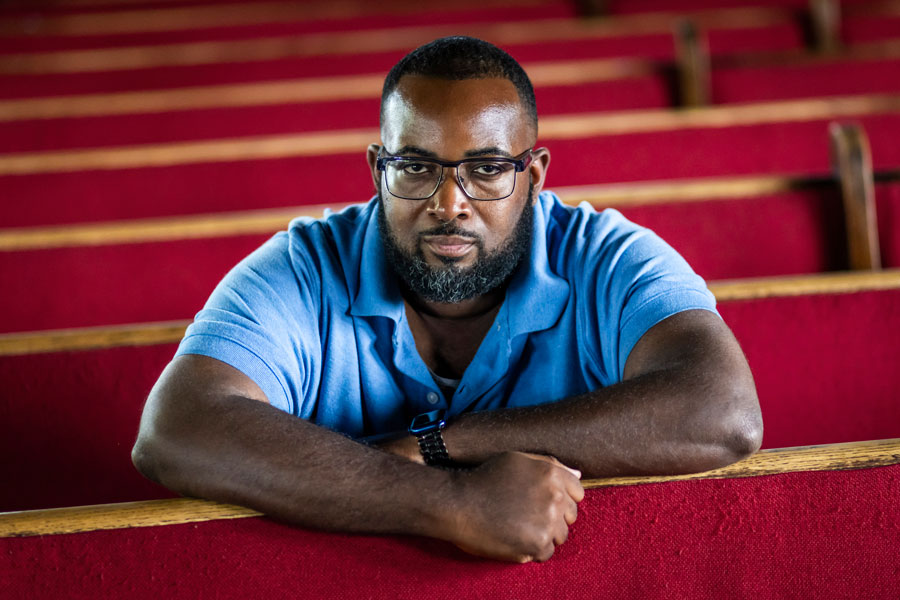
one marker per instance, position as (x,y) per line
(856,455)
(171,332)
(399,39)
(569,126)
(309,89)
(272,220)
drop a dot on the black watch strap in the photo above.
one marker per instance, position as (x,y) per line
(433,450)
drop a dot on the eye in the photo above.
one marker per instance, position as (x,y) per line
(489,169)
(416,168)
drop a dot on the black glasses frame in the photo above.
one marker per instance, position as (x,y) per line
(520,162)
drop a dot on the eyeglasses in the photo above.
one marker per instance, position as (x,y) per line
(489,178)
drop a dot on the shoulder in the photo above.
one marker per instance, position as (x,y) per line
(335,232)
(297,260)
(580,236)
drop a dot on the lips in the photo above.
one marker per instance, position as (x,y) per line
(449,245)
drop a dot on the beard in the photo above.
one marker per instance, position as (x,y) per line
(450,283)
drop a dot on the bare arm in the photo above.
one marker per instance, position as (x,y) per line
(208,431)
(687,403)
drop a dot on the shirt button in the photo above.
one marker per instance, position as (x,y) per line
(432,398)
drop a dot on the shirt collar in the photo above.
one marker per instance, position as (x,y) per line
(378,293)
(536,296)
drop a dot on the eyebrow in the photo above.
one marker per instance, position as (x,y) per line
(491,151)
(407,150)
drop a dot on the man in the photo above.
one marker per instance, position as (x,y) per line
(558,341)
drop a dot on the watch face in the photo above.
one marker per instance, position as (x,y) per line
(427,422)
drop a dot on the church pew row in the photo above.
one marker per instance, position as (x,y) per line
(730,28)
(819,522)
(32,31)
(309,168)
(813,344)
(302,105)
(123,275)
(59,134)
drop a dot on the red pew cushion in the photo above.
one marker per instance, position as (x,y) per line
(816,534)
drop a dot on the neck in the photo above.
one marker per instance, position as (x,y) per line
(467,309)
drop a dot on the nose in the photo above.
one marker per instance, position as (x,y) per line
(449,201)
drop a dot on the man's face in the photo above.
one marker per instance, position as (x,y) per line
(449,248)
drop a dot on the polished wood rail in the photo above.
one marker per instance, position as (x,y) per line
(829,457)
(351,87)
(397,39)
(181,18)
(568,126)
(304,89)
(171,332)
(262,221)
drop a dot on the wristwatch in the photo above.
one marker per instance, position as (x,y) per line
(427,429)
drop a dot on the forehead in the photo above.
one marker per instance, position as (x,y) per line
(452,117)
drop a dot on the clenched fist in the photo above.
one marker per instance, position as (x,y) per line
(515,506)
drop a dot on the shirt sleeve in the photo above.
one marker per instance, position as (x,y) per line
(262,320)
(638,280)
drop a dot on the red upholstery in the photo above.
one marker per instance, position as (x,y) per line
(736,84)
(68,421)
(447,14)
(827,534)
(797,232)
(86,132)
(657,45)
(861,27)
(105,285)
(51,198)
(888,210)
(825,368)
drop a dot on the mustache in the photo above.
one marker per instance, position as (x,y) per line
(451,228)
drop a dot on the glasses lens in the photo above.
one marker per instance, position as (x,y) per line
(419,179)
(412,179)
(488,180)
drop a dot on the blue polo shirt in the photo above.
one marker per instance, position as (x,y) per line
(316,319)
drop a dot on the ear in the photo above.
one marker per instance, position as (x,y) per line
(371,158)
(538,169)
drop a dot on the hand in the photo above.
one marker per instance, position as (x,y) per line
(516,507)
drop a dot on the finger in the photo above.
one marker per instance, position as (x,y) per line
(575,489)
(562,534)
(571,513)
(545,553)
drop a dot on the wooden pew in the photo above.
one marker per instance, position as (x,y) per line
(812,342)
(818,521)
(773,27)
(141,181)
(160,269)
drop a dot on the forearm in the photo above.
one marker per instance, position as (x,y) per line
(659,423)
(245,452)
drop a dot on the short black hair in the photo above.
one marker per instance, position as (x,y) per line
(462,57)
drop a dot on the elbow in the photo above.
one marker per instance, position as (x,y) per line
(739,431)
(145,457)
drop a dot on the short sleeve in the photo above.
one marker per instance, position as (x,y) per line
(638,280)
(262,320)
